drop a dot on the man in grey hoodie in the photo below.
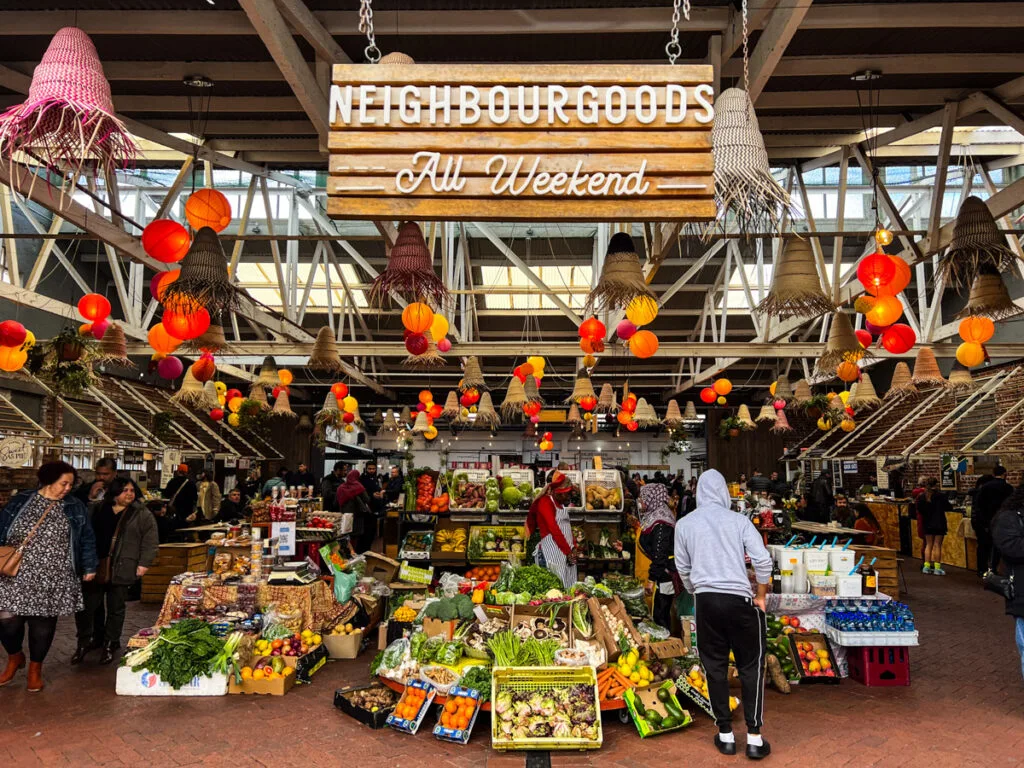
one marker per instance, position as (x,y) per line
(711,545)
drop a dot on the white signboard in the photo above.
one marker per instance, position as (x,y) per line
(285,534)
(15,452)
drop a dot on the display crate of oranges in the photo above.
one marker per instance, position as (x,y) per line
(412,707)
(458,715)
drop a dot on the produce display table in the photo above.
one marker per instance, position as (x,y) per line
(202,532)
(820,529)
(606,705)
(315,601)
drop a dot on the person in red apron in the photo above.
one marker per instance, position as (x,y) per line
(549,516)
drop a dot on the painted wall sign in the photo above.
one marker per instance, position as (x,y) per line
(521,143)
(15,452)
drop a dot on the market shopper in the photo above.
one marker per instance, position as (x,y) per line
(932,506)
(395,484)
(353,498)
(1008,537)
(182,496)
(58,552)
(759,483)
(988,498)
(841,512)
(232,507)
(279,481)
(549,516)
(711,544)
(780,486)
(657,540)
(208,496)
(106,471)
(865,520)
(126,546)
(330,485)
(302,477)
(820,498)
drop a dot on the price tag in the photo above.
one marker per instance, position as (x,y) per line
(285,534)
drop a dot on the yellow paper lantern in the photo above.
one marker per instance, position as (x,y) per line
(844,396)
(883,237)
(12,358)
(85,329)
(29,342)
(824,424)
(349,428)
(235,404)
(970,354)
(221,387)
(538,364)
(847,425)
(431,432)
(589,361)
(438,327)
(349,404)
(641,310)
(772,387)
(722,386)
(721,400)
(234,419)
(285,377)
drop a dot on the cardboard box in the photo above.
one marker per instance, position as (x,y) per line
(818,642)
(381,568)
(307,664)
(344,646)
(604,633)
(382,635)
(146,683)
(439,557)
(277,687)
(436,627)
(665,649)
(648,697)
(520,612)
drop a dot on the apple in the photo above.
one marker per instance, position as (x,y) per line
(276,652)
(794,621)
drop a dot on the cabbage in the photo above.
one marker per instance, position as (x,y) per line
(525,488)
(553,594)
(511,496)
(491,506)
(507,482)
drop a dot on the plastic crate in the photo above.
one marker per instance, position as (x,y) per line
(518,679)
(879,666)
(873,639)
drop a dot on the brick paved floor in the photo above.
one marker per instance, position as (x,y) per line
(965,708)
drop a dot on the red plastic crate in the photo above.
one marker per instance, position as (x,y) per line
(878,666)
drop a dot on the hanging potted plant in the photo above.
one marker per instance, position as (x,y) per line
(817,405)
(729,427)
(69,345)
(162,425)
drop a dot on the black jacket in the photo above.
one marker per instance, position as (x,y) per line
(1008,537)
(230,511)
(782,488)
(329,491)
(137,544)
(759,484)
(185,501)
(987,501)
(659,545)
(372,485)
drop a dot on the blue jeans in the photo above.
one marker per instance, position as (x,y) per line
(1020,641)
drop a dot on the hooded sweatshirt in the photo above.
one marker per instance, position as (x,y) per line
(711,543)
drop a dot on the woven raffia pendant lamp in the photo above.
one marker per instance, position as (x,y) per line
(796,288)
(743,415)
(452,410)
(406,416)
(783,391)
(472,376)
(842,345)
(390,425)
(268,373)
(744,183)
(515,399)
(863,394)
(606,402)
(781,422)
(976,246)
(211,394)
(645,414)
(204,280)
(191,392)
(960,379)
(324,356)
(574,417)
(421,424)
(581,388)
(802,392)
(532,390)
(258,394)
(989,297)
(68,118)
(330,414)
(926,369)
(622,279)
(902,381)
(767,413)
(212,340)
(114,346)
(486,416)
(673,418)
(283,406)
(409,271)
(690,411)
(429,359)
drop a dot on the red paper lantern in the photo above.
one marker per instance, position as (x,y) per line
(592,329)
(975,329)
(587,345)
(901,278)
(94,306)
(231,394)
(161,340)
(339,390)
(187,325)
(166,240)
(875,272)
(864,337)
(12,333)
(643,344)
(548,436)
(348,418)
(588,402)
(158,285)
(899,338)
(208,208)
(276,391)
(531,408)
(632,426)
(435,411)
(887,310)
(708,395)
(417,344)
(217,414)
(778,405)
(629,404)
(204,368)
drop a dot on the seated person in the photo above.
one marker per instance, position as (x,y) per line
(841,512)
(866,521)
(232,507)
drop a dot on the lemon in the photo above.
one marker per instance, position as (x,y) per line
(635,677)
(317,639)
(642,684)
(627,671)
(306,633)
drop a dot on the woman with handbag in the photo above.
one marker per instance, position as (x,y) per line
(1008,537)
(353,498)
(47,550)
(126,545)
(657,540)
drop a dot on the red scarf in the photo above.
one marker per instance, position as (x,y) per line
(350,488)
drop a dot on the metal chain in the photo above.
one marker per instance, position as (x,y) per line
(372,52)
(673,49)
(746,52)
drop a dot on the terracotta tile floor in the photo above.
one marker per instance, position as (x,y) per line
(965,708)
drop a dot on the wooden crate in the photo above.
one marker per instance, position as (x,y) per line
(171,559)
(885,564)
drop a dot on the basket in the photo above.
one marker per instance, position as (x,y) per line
(518,679)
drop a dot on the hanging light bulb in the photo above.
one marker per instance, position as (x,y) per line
(883,236)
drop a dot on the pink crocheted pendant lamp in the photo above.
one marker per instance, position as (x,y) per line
(68,117)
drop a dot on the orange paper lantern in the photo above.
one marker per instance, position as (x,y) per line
(970,354)
(417,317)
(722,386)
(624,417)
(339,390)
(285,377)
(204,368)
(426,396)
(187,325)
(977,329)
(901,278)
(208,208)
(166,240)
(162,341)
(643,344)
(94,306)
(886,311)
(847,371)
(12,358)
(588,402)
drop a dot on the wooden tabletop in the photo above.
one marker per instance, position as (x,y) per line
(827,530)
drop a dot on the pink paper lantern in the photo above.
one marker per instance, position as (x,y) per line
(874,330)
(444,345)
(625,329)
(170,368)
(535,419)
(99,328)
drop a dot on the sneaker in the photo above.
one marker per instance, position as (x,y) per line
(759,752)
(725,747)
(927,569)
(937,570)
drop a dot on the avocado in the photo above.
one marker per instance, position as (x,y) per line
(653,718)
(670,722)
(664,695)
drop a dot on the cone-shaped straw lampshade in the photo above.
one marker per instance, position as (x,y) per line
(406,416)
(796,288)
(961,380)
(532,391)
(212,398)
(976,245)
(324,356)
(926,369)
(486,417)
(606,402)
(330,414)
(989,297)
(389,426)
(212,340)
(690,411)
(843,345)
(743,179)
(781,422)
(452,409)
(421,424)
(258,393)
(429,359)
(743,414)
(472,376)
(574,417)
(268,373)
(767,413)
(204,277)
(902,381)
(622,278)
(283,406)
(68,117)
(305,423)
(191,392)
(114,346)
(801,392)
(863,395)
(782,389)
(645,414)
(673,418)
(515,399)
(582,387)
(409,271)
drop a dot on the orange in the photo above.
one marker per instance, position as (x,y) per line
(247,673)
(257,674)
(451,706)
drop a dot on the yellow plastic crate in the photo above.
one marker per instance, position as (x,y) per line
(518,679)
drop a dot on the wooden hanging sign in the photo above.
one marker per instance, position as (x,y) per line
(521,143)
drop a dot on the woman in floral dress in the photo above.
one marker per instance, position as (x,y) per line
(59,553)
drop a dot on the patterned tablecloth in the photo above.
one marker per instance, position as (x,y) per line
(315,601)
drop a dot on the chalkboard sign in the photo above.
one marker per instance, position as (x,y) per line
(951,464)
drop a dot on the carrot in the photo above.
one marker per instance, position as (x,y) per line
(616,692)
(603,676)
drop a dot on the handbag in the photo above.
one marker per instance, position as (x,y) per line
(10,557)
(105,567)
(1001,585)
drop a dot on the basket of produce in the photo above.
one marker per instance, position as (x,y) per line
(458,715)
(602,490)
(545,708)
(426,490)
(494,542)
(476,635)
(516,487)
(440,677)
(469,491)
(369,704)
(575,503)
(417,545)
(450,542)
(694,686)
(656,710)
(815,661)
(412,707)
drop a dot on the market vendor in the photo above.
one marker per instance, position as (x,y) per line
(549,516)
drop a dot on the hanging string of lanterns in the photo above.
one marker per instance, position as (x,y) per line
(15,342)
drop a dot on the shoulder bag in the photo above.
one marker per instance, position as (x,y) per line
(10,557)
(105,567)
(994,581)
